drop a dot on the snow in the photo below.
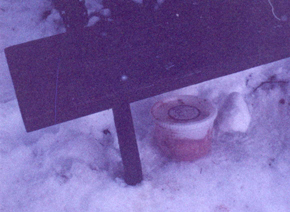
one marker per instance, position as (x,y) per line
(76,166)
(234,114)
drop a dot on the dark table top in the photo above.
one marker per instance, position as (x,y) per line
(142,53)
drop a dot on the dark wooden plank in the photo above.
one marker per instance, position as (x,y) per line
(67,76)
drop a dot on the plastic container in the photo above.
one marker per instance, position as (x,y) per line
(183,126)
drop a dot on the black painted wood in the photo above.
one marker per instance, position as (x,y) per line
(67,76)
(127,143)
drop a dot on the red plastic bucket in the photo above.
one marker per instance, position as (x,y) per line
(183,126)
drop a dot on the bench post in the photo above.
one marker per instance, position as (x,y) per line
(127,143)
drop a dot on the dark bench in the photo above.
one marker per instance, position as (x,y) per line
(140,54)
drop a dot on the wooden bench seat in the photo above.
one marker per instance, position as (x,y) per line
(115,63)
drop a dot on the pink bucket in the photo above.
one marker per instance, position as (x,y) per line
(183,126)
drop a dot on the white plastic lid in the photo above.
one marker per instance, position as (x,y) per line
(182,111)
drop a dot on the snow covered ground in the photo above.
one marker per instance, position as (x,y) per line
(76,166)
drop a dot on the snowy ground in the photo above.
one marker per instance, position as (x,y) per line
(75,166)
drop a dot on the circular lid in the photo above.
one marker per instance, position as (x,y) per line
(183,110)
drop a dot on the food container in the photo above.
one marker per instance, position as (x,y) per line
(183,126)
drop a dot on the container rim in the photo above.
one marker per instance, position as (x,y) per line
(211,109)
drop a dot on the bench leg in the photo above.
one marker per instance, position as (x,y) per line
(127,143)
